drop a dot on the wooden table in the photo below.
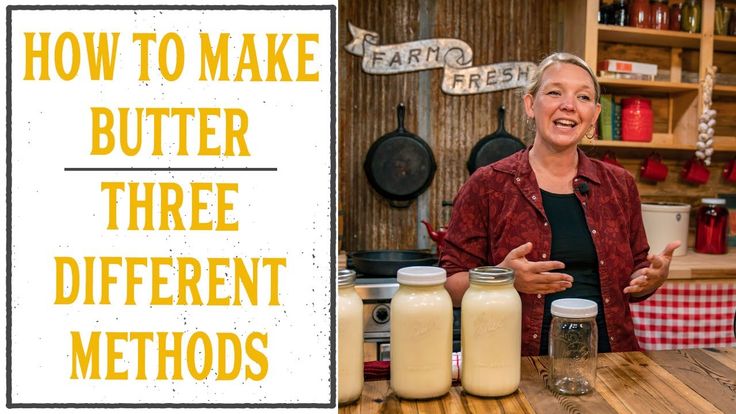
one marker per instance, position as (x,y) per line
(684,381)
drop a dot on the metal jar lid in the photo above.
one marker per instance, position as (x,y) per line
(492,275)
(345,277)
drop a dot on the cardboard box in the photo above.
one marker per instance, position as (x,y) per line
(625,66)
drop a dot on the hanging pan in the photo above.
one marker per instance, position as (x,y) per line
(400,165)
(494,147)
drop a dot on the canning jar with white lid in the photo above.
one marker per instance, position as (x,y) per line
(421,334)
(491,333)
(573,346)
(349,339)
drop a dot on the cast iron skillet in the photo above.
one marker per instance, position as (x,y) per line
(387,262)
(494,147)
(400,165)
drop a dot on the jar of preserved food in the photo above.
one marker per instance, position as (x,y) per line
(722,18)
(660,15)
(712,227)
(619,13)
(573,346)
(676,17)
(491,333)
(691,16)
(640,14)
(349,339)
(421,334)
(637,119)
(604,13)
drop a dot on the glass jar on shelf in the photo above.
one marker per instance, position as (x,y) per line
(660,12)
(676,17)
(640,14)
(692,13)
(722,18)
(619,13)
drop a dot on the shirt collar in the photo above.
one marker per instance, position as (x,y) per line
(518,165)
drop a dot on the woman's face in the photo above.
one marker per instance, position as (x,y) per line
(564,106)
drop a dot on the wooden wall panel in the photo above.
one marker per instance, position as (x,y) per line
(367,110)
(498,30)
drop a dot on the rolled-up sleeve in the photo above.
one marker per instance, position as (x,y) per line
(637,236)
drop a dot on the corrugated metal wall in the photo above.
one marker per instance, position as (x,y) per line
(498,31)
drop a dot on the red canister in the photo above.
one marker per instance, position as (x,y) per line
(637,119)
(712,227)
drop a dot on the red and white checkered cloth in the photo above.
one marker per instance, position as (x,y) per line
(687,315)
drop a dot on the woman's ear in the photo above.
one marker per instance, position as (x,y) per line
(597,113)
(529,105)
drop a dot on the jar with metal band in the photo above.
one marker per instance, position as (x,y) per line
(711,231)
(491,333)
(421,334)
(349,339)
(573,346)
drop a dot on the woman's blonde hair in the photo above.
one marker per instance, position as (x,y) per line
(561,57)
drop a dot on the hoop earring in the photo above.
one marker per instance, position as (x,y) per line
(590,133)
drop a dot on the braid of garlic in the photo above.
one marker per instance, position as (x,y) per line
(704,146)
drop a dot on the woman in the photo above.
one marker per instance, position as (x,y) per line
(568,225)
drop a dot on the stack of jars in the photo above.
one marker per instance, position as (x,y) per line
(657,14)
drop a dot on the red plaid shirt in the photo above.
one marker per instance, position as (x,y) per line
(500,208)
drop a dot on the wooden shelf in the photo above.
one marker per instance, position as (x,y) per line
(724,90)
(640,145)
(728,145)
(644,86)
(724,43)
(649,37)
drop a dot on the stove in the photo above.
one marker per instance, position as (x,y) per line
(376,293)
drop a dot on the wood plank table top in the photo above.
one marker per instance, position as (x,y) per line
(682,381)
(704,266)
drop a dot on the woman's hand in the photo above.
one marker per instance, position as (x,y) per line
(535,277)
(646,280)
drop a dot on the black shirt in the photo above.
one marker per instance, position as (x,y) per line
(572,245)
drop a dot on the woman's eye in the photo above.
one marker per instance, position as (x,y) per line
(554,93)
(585,98)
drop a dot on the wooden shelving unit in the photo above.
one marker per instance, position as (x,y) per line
(679,103)
(624,85)
(724,43)
(649,37)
